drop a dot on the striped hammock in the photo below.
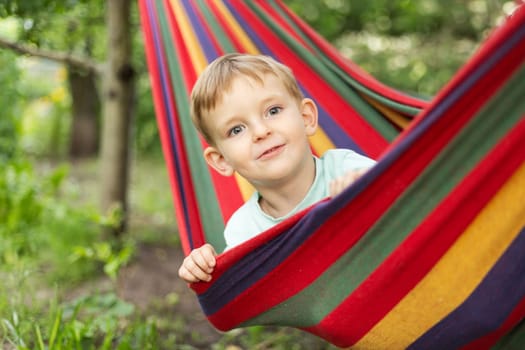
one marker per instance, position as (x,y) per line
(426,251)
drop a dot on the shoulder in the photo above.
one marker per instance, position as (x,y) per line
(240,226)
(244,211)
(346,158)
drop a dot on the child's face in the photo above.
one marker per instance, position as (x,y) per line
(261,132)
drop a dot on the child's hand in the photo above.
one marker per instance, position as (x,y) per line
(199,265)
(338,185)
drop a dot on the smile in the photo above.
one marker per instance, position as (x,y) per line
(269,153)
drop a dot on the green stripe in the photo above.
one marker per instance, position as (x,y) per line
(513,340)
(207,202)
(450,167)
(217,29)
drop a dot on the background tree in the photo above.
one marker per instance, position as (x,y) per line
(68,33)
(80,34)
(118,110)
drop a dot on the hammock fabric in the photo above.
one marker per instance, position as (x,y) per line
(426,251)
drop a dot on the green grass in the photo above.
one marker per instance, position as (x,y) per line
(51,242)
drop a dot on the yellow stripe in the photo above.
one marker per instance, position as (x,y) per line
(457,274)
(394,117)
(245,187)
(194,49)
(238,31)
(320,142)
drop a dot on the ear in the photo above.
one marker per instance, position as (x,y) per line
(309,114)
(216,160)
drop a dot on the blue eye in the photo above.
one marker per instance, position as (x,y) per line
(274,110)
(235,130)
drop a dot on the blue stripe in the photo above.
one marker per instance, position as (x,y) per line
(210,50)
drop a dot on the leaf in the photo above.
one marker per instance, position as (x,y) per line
(54,330)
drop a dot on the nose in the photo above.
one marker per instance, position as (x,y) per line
(260,130)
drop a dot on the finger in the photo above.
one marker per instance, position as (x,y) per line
(196,271)
(208,254)
(198,258)
(186,275)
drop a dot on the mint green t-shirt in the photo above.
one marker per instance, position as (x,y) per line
(249,220)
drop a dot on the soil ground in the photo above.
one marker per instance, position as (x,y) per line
(152,277)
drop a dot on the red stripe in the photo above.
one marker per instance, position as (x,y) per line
(226,188)
(282,23)
(399,274)
(190,206)
(226,26)
(363,133)
(160,112)
(183,56)
(209,32)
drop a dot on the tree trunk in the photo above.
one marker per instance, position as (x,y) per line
(86,109)
(118,97)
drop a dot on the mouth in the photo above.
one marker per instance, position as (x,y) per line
(270,152)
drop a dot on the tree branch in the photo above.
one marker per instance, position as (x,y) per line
(62,57)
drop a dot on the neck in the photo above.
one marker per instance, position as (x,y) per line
(280,200)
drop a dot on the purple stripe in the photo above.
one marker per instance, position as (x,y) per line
(487,308)
(337,135)
(259,43)
(171,114)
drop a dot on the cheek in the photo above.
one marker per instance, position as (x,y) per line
(235,151)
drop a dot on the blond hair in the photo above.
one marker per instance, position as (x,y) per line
(219,75)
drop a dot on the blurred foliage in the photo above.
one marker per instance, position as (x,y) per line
(392,60)
(463,19)
(414,46)
(72,26)
(100,321)
(34,214)
(76,27)
(11,101)
(50,242)
(46,118)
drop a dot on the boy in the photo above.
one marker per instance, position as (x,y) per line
(256,121)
